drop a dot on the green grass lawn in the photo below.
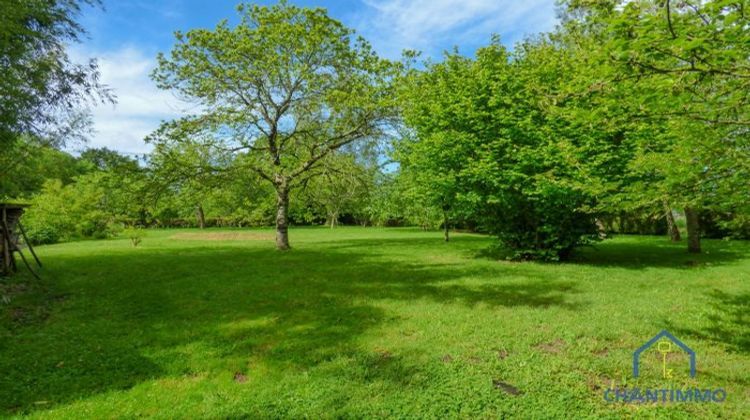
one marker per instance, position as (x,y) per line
(357,322)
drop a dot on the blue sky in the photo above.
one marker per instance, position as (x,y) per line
(126,36)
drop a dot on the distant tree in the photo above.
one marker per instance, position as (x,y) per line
(343,187)
(188,171)
(104,159)
(286,88)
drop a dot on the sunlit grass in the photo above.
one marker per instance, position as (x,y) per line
(365,322)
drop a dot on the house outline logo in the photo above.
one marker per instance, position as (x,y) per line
(652,341)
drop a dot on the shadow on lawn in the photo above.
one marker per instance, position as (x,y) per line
(637,252)
(659,252)
(170,313)
(729,323)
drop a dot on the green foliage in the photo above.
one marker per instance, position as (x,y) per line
(668,82)
(286,89)
(342,188)
(86,208)
(64,212)
(26,165)
(46,221)
(485,149)
(42,92)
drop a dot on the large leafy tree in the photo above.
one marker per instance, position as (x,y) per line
(670,80)
(488,150)
(286,88)
(42,91)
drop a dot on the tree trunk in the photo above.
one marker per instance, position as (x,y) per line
(282,222)
(693,230)
(623,224)
(334,219)
(445,226)
(674,231)
(601,230)
(201,216)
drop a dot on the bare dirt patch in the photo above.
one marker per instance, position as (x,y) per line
(599,382)
(603,352)
(222,236)
(553,347)
(474,360)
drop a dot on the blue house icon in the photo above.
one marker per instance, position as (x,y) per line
(651,342)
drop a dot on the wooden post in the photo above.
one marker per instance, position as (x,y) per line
(28,244)
(7,255)
(10,218)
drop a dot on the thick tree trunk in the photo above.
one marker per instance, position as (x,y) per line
(282,221)
(674,231)
(601,230)
(201,216)
(693,230)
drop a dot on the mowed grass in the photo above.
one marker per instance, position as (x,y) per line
(361,322)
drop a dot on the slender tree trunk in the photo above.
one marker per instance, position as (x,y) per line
(282,221)
(446,230)
(693,230)
(201,216)
(674,231)
(623,224)
(334,218)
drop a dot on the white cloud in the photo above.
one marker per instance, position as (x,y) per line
(140,104)
(391,25)
(433,25)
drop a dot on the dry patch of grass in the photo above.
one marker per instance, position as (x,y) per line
(223,236)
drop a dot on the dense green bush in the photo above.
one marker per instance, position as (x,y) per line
(547,226)
(64,212)
(485,150)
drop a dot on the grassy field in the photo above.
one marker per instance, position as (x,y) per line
(358,322)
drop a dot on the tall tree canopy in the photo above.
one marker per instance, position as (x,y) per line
(668,80)
(485,148)
(42,92)
(287,88)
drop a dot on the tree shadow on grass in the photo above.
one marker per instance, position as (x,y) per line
(641,252)
(729,322)
(637,253)
(147,314)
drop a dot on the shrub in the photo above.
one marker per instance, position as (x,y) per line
(63,212)
(546,226)
(135,234)
(47,220)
